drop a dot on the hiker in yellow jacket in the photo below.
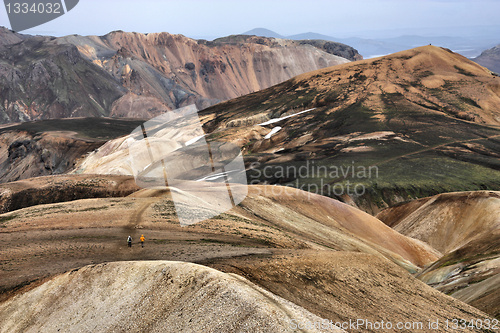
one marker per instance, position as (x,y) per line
(142,240)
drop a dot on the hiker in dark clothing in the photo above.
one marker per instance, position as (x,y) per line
(129,241)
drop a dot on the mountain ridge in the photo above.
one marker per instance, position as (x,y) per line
(138,75)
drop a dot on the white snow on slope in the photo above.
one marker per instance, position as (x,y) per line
(193,140)
(273,131)
(275,120)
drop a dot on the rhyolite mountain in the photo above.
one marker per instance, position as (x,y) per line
(41,79)
(316,252)
(10,37)
(141,75)
(426,121)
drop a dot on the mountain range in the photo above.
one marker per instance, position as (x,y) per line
(138,75)
(465,227)
(366,115)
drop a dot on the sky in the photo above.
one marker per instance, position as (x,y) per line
(215,18)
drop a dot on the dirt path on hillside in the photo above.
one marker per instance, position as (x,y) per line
(46,240)
(135,218)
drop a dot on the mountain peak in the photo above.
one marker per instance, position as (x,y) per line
(263,32)
(430,66)
(8,36)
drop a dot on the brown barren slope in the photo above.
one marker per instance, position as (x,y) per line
(344,286)
(450,220)
(334,224)
(341,287)
(308,249)
(150,296)
(52,147)
(465,227)
(43,240)
(26,155)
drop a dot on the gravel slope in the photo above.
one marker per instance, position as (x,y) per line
(150,296)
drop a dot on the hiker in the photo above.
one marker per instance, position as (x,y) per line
(142,240)
(129,241)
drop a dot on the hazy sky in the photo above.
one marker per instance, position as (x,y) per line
(211,18)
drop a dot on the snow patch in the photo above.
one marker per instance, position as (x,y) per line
(275,120)
(193,140)
(273,131)
(215,176)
